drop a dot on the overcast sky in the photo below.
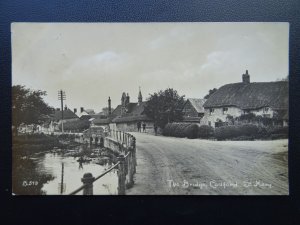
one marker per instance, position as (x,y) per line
(93,61)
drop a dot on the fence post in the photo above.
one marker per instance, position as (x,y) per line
(88,180)
(121,176)
(130,168)
(134,154)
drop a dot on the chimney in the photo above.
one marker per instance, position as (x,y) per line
(109,106)
(246,78)
(81,109)
(140,97)
(75,110)
(123,99)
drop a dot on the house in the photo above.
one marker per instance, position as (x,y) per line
(193,110)
(84,113)
(267,99)
(56,118)
(126,116)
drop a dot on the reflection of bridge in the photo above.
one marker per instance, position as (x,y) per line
(123,144)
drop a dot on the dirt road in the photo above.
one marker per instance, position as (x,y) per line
(175,166)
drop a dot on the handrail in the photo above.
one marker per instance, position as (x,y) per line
(125,144)
(97,178)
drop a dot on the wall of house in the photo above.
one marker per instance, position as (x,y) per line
(218,114)
(132,127)
(267,112)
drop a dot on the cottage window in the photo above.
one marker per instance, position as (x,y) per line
(211,111)
(266,109)
(225,110)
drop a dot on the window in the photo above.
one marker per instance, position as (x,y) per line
(266,110)
(211,111)
(225,110)
(209,123)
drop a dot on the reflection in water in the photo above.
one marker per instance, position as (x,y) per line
(46,169)
(51,163)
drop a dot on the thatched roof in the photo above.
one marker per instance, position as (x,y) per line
(100,121)
(197,103)
(191,119)
(132,118)
(68,114)
(134,112)
(251,95)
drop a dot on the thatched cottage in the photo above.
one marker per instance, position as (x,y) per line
(267,99)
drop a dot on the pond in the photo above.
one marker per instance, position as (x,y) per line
(50,165)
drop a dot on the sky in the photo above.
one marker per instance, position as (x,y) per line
(91,61)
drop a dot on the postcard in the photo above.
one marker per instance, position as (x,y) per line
(150,108)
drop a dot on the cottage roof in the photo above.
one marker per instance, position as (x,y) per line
(251,95)
(191,119)
(100,121)
(68,114)
(134,113)
(131,118)
(197,103)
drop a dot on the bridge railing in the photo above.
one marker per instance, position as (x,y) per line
(124,144)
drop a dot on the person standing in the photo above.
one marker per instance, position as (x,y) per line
(155,129)
(139,126)
(144,127)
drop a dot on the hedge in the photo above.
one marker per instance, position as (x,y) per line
(206,131)
(192,131)
(234,131)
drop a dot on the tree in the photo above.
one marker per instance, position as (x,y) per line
(165,107)
(28,106)
(210,92)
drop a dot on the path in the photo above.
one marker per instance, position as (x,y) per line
(171,166)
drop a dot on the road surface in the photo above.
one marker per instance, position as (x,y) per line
(180,166)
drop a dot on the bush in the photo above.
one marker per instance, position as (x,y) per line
(278,132)
(176,129)
(206,131)
(234,131)
(192,131)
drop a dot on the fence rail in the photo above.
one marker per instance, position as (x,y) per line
(124,144)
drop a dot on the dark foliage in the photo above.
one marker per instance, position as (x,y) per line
(165,107)
(77,125)
(28,106)
(206,131)
(234,131)
(192,131)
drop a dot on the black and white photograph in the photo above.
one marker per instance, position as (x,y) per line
(173,108)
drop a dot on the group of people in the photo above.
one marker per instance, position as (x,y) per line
(140,125)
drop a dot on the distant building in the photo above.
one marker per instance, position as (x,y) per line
(128,114)
(193,110)
(56,118)
(267,99)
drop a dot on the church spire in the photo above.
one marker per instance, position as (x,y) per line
(140,97)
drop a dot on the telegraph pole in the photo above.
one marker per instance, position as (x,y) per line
(62,97)
(62,179)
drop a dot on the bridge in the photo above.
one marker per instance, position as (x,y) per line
(124,144)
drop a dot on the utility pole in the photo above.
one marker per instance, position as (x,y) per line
(62,97)
(62,179)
